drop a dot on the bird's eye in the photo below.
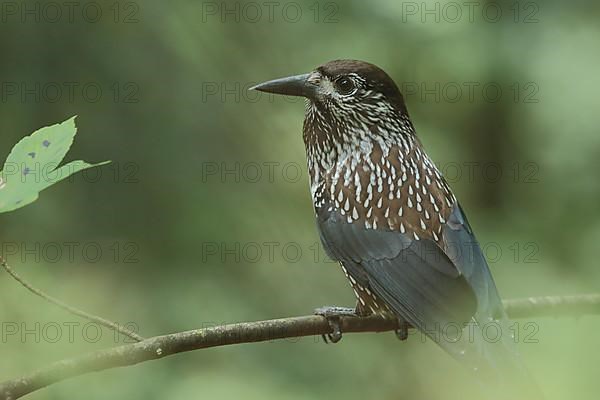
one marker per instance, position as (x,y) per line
(345,86)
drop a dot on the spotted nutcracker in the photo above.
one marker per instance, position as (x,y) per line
(385,212)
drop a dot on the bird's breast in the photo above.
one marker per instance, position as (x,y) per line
(385,188)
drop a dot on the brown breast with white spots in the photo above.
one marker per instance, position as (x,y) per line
(389,189)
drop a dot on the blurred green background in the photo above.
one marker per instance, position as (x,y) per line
(204,217)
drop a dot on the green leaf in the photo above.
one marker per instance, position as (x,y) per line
(34,164)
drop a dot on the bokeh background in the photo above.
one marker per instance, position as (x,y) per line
(204,216)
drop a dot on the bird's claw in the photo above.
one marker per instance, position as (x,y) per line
(333,314)
(402,331)
(336,334)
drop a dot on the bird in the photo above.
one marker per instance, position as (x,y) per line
(385,212)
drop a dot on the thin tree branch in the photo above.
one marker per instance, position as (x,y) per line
(553,306)
(250,332)
(99,320)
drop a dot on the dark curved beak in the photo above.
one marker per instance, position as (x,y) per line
(291,86)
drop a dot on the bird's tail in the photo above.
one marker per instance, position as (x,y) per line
(488,350)
(487,345)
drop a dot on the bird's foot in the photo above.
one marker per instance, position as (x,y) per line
(402,331)
(333,314)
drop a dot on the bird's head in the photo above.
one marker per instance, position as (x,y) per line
(343,88)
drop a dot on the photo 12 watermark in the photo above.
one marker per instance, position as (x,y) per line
(424,91)
(62,332)
(70,12)
(252,12)
(452,12)
(69,92)
(275,172)
(71,252)
(251,172)
(471,92)
(517,172)
(35,173)
(489,331)
(292,252)
(237,92)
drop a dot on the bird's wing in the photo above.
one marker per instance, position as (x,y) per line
(462,248)
(415,278)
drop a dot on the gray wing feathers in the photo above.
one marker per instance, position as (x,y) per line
(414,277)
